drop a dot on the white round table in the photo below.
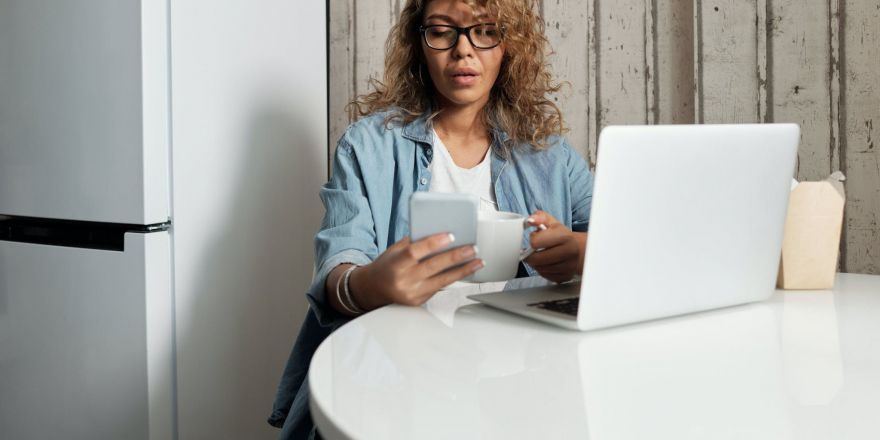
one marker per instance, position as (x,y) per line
(803,365)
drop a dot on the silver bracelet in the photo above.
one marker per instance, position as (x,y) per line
(339,291)
(351,302)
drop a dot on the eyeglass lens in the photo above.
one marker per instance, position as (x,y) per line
(482,36)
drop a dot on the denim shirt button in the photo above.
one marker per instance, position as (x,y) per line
(423,181)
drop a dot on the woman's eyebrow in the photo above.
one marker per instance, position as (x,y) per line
(449,19)
(440,17)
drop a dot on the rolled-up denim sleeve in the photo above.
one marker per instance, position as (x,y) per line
(347,233)
(581,187)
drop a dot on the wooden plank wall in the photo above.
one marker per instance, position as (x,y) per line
(813,62)
(727,71)
(674,60)
(859,66)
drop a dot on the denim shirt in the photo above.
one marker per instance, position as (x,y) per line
(375,170)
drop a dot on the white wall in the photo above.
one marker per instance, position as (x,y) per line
(249,155)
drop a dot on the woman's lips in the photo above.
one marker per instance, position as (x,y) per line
(464,80)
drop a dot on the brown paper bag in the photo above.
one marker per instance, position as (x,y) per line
(811,243)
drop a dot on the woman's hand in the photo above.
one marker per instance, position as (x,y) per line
(562,254)
(398,276)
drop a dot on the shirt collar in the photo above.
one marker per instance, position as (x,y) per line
(420,130)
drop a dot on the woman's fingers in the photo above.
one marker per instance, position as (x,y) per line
(551,237)
(560,257)
(441,262)
(427,287)
(553,255)
(542,218)
(563,268)
(404,242)
(427,246)
(450,276)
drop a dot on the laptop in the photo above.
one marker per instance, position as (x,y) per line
(684,218)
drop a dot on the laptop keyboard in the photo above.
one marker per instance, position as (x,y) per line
(567,306)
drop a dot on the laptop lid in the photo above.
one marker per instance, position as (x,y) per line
(685,218)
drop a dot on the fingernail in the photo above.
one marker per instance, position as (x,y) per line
(476,250)
(477,265)
(451,237)
(530,219)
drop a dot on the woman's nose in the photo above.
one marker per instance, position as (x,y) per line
(463,47)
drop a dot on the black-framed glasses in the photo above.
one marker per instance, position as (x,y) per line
(443,37)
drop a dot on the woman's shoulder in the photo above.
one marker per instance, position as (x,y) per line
(554,146)
(558,144)
(557,155)
(371,132)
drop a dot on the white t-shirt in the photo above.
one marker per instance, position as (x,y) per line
(447,177)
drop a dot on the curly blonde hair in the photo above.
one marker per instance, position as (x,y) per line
(519,102)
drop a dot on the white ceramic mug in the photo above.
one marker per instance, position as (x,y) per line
(499,245)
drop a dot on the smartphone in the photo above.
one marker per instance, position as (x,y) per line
(435,213)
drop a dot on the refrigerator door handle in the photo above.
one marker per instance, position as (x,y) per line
(72,233)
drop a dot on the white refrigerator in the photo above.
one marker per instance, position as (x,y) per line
(159,165)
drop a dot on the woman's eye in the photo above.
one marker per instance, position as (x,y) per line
(439,33)
(487,31)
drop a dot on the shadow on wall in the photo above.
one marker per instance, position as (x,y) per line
(3,288)
(248,296)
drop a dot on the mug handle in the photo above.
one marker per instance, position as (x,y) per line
(526,253)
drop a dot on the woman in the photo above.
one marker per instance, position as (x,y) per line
(463,107)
